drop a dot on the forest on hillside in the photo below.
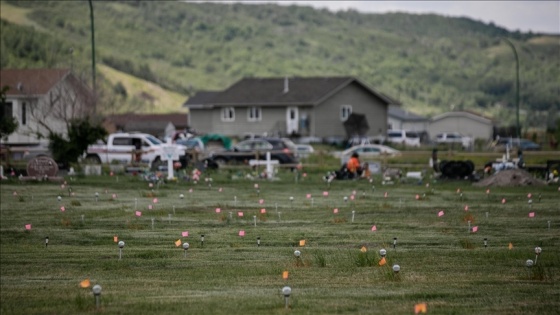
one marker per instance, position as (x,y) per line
(430,63)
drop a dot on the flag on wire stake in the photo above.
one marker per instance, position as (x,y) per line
(420,308)
(85,283)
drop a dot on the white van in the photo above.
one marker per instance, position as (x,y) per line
(408,138)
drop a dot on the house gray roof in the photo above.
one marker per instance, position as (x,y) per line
(278,91)
(200,98)
(398,113)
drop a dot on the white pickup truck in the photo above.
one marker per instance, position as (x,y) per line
(127,148)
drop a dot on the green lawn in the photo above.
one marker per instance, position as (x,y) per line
(443,263)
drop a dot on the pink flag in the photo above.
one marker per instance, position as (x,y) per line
(417,197)
(325,193)
(185,233)
(474,229)
(150,207)
(28,226)
(304,174)
(138,213)
(504,200)
(487,191)
(352,197)
(242,233)
(218,210)
(150,185)
(466,208)
(263,210)
(261,201)
(385,195)
(15,193)
(256,186)
(220,189)
(62,186)
(114,196)
(308,196)
(374,228)
(529,195)
(531,214)
(240,213)
(155,200)
(335,210)
(440,214)
(190,190)
(62,209)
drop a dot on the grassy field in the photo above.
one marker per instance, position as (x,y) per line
(444,263)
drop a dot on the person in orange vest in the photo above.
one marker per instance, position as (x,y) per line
(354,166)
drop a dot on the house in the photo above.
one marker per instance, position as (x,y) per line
(43,101)
(401,119)
(464,122)
(159,125)
(303,106)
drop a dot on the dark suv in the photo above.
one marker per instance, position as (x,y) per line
(249,149)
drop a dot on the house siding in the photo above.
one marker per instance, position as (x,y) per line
(462,124)
(201,120)
(327,114)
(273,120)
(37,109)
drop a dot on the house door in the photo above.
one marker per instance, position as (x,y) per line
(292,120)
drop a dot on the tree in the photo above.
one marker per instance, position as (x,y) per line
(81,133)
(8,123)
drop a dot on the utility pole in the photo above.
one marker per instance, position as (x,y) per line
(92,47)
(517,128)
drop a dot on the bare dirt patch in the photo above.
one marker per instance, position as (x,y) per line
(510,178)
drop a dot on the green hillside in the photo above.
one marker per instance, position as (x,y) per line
(430,63)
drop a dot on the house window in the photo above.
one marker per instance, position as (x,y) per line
(345,111)
(254,114)
(24,113)
(6,110)
(228,114)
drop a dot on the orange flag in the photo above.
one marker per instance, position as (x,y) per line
(302,243)
(420,308)
(285,275)
(363,249)
(382,261)
(510,246)
(85,283)
(178,243)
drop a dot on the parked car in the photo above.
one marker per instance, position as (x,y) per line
(194,143)
(408,138)
(247,150)
(452,138)
(368,152)
(304,150)
(516,143)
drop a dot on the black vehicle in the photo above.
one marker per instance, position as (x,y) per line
(249,149)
